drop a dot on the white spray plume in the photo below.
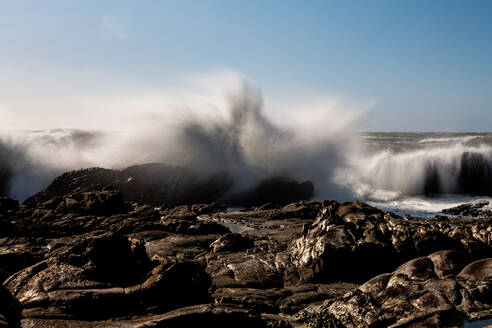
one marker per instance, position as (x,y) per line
(220,128)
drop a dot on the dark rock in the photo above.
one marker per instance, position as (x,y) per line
(152,184)
(8,205)
(105,276)
(368,242)
(231,242)
(19,253)
(417,294)
(9,309)
(201,209)
(288,300)
(480,209)
(88,258)
(204,315)
(156,184)
(180,246)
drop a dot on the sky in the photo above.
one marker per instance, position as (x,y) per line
(411,65)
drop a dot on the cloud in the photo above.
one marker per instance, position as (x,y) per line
(112,29)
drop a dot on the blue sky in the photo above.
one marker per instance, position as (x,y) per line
(422,65)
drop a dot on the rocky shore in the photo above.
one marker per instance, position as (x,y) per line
(81,254)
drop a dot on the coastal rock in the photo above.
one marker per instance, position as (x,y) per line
(480,209)
(287,300)
(231,242)
(157,183)
(368,241)
(104,276)
(89,258)
(153,184)
(203,315)
(439,290)
(19,253)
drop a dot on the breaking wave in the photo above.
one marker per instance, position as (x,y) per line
(456,169)
(233,135)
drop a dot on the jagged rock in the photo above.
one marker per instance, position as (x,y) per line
(433,291)
(19,253)
(157,183)
(367,242)
(105,276)
(182,221)
(204,315)
(231,242)
(183,247)
(153,184)
(73,260)
(287,300)
(105,202)
(480,209)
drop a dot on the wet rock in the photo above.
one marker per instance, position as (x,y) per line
(105,276)
(152,184)
(368,241)
(204,315)
(200,209)
(231,242)
(244,270)
(287,300)
(481,209)
(19,253)
(72,260)
(439,290)
(184,220)
(104,203)
(180,246)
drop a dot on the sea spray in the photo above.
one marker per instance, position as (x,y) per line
(456,169)
(231,133)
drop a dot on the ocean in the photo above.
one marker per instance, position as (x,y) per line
(420,173)
(407,173)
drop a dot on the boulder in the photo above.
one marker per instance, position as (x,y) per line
(103,276)
(439,290)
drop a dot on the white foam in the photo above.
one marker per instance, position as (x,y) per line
(461,139)
(405,173)
(216,131)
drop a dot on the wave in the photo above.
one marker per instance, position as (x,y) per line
(463,139)
(234,136)
(456,169)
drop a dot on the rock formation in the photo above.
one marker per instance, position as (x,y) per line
(83,257)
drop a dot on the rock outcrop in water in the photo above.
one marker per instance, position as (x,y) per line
(480,209)
(157,184)
(88,258)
